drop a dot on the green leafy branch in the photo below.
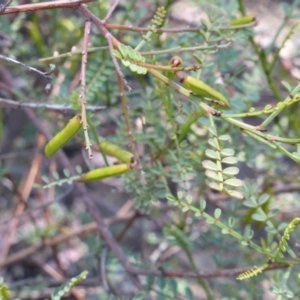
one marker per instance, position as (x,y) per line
(283,244)
(282,247)
(222,178)
(66,288)
(252,272)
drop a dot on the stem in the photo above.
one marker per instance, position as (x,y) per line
(284,104)
(43,6)
(54,107)
(83,88)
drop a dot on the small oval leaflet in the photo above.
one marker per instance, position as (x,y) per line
(67,172)
(259,217)
(267,107)
(137,56)
(45,179)
(131,52)
(231,220)
(212,130)
(235,194)
(215,186)
(280,105)
(224,137)
(78,169)
(133,67)
(123,50)
(230,160)
(212,175)
(55,175)
(250,203)
(234,182)
(126,63)
(263,199)
(202,205)
(213,143)
(217,213)
(273,213)
(227,152)
(212,154)
(232,171)
(117,54)
(141,70)
(210,165)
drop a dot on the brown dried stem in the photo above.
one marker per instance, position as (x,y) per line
(111,10)
(43,6)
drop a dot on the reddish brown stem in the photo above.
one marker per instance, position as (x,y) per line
(43,6)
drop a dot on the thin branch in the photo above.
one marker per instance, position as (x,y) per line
(91,281)
(71,53)
(54,107)
(176,50)
(83,88)
(3,6)
(43,6)
(121,81)
(99,23)
(111,10)
(114,59)
(31,69)
(103,269)
(174,30)
(212,274)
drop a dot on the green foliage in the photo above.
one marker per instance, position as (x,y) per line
(252,272)
(66,288)
(224,177)
(4,290)
(283,244)
(131,59)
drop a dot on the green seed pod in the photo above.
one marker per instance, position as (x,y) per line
(65,135)
(117,152)
(106,172)
(242,20)
(201,89)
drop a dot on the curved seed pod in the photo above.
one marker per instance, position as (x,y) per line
(201,89)
(243,20)
(65,135)
(116,151)
(106,172)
